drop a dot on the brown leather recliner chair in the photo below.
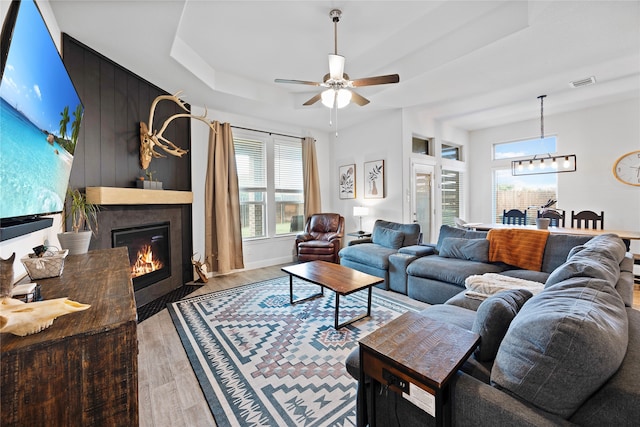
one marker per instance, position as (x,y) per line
(321,239)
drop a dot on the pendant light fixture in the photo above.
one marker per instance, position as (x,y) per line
(544,163)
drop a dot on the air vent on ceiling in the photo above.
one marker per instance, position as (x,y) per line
(583,82)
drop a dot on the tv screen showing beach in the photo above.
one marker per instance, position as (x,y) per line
(40,115)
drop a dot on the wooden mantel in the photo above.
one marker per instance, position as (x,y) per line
(137,196)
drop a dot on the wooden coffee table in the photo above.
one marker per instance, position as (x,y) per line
(342,280)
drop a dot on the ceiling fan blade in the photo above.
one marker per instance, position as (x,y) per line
(378,80)
(313,100)
(300,82)
(359,99)
(336,66)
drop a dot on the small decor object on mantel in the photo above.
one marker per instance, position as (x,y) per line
(374,177)
(19,318)
(148,183)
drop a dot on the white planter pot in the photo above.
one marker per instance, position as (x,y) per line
(543,223)
(76,243)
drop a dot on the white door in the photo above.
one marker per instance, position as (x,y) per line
(422,198)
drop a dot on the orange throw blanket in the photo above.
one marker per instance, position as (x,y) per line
(520,248)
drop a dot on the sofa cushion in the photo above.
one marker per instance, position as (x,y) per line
(450,270)
(493,318)
(387,237)
(533,276)
(461,300)
(451,314)
(417,250)
(369,254)
(448,231)
(563,345)
(599,258)
(616,402)
(410,231)
(557,250)
(469,249)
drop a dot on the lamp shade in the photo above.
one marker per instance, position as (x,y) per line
(360,211)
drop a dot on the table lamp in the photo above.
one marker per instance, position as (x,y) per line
(360,211)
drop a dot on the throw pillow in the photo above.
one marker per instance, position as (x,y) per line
(387,237)
(469,249)
(493,318)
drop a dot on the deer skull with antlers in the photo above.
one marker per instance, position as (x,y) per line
(150,139)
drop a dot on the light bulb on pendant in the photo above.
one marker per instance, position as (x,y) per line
(530,165)
(566,163)
(554,163)
(520,166)
(542,165)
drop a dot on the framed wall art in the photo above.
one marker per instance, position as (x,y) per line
(374,180)
(347,181)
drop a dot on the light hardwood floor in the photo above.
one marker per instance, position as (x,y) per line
(169,392)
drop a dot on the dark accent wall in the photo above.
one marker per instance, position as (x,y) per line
(107,154)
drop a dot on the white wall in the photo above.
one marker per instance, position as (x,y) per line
(598,136)
(22,245)
(259,252)
(376,140)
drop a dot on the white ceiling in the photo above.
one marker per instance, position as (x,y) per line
(471,64)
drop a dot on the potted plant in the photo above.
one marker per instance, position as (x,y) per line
(84,222)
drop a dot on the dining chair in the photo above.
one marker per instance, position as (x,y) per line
(514,217)
(589,219)
(557,218)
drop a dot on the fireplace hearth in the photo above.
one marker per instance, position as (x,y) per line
(149,252)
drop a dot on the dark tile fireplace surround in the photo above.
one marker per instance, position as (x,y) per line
(116,217)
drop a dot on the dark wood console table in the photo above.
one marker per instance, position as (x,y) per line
(82,370)
(416,357)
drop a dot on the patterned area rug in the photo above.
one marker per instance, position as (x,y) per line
(262,362)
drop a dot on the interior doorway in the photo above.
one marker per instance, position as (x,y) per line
(422,197)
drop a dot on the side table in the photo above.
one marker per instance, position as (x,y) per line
(359,235)
(416,357)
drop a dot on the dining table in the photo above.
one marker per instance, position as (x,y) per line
(623,234)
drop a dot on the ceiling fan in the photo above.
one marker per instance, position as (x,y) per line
(339,92)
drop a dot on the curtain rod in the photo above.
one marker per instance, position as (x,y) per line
(270,133)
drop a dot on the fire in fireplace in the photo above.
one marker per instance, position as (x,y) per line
(149,252)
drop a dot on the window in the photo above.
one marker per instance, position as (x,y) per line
(452,152)
(522,192)
(271,188)
(251,162)
(289,196)
(421,145)
(451,196)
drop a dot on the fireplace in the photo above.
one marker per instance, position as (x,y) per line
(149,252)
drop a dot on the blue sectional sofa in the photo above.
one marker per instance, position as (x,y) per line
(569,355)
(460,253)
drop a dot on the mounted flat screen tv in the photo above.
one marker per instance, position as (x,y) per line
(40,116)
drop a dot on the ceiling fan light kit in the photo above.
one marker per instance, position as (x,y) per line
(339,89)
